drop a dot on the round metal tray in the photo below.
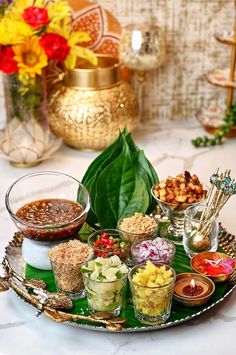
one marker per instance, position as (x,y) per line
(13,258)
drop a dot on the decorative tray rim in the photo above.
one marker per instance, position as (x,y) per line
(225,240)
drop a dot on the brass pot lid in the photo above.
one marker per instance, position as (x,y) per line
(87,76)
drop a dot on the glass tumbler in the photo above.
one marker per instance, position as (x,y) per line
(68,278)
(152,305)
(67,260)
(199,235)
(105,296)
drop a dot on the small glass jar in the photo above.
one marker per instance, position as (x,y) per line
(199,236)
(66,266)
(152,305)
(105,296)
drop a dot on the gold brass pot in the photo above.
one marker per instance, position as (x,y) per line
(91,107)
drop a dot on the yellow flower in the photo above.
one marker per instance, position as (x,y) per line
(30,58)
(78,51)
(63,28)
(58,10)
(13,30)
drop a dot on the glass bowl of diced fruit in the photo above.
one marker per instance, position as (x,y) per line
(174,196)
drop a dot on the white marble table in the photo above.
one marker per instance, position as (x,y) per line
(168,148)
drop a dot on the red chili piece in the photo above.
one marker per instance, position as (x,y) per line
(106,246)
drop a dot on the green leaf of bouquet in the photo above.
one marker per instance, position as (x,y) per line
(120,190)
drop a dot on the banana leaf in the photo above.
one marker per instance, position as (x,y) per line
(178,313)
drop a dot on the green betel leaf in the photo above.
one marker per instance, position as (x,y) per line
(92,173)
(145,166)
(132,146)
(117,149)
(121,190)
(94,166)
(121,163)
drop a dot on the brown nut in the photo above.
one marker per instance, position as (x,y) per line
(181,199)
(198,189)
(162,192)
(182,189)
(162,198)
(170,197)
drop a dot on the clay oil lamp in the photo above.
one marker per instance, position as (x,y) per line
(218,266)
(193,290)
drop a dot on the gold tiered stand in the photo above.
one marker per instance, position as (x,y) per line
(222,78)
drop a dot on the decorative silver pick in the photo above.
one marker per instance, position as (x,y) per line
(222,188)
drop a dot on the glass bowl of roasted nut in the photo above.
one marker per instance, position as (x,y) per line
(174,196)
(137,227)
(48,206)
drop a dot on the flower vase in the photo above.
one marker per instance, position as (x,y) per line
(26,139)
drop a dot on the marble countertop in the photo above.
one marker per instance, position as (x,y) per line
(167,145)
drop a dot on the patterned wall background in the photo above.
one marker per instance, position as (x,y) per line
(178,88)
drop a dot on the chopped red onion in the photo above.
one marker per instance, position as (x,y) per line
(158,250)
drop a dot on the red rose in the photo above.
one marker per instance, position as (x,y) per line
(55,46)
(7,63)
(35,16)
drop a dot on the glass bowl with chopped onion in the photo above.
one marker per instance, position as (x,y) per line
(137,227)
(158,250)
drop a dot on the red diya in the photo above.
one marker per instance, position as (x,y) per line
(193,290)
(218,266)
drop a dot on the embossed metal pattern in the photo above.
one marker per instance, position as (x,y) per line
(91,119)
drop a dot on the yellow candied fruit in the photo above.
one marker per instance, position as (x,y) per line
(152,300)
(152,276)
(151,283)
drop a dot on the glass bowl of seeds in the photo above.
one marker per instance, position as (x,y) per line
(48,206)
